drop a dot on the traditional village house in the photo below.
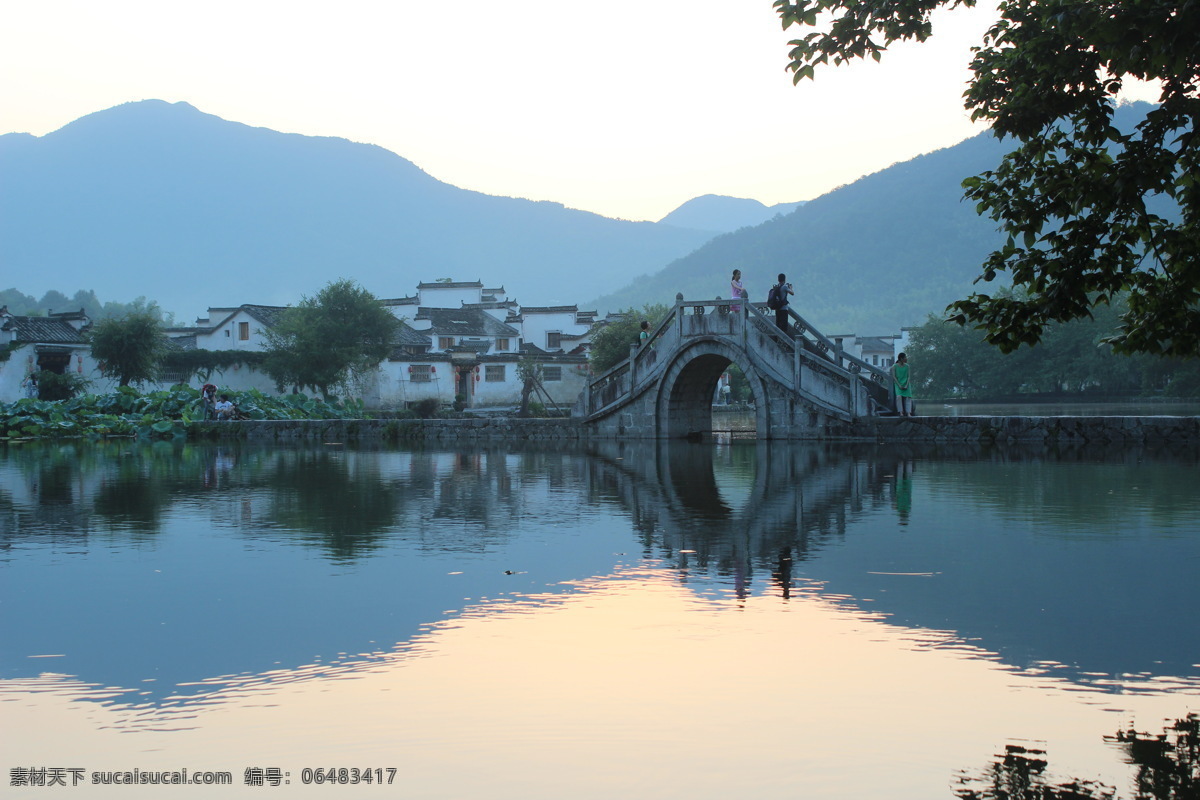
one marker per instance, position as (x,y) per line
(55,343)
(471,353)
(878,351)
(239,329)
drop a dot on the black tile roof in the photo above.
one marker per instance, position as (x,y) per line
(42,330)
(407,337)
(464,322)
(267,315)
(476,348)
(185,342)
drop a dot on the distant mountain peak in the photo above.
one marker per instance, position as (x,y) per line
(723,214)
(160,199)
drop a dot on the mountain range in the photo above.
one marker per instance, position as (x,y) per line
(161,200)
(868,258)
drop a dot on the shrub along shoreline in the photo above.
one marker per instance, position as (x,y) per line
(162,414)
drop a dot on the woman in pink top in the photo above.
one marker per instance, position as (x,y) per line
(735,289)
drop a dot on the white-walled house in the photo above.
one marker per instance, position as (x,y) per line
(469,354)
(55,342)
(456,339)
(239,328)
(878,351)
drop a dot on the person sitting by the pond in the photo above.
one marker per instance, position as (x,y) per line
(208,400)
(31,386)
(224,408)
(900,375)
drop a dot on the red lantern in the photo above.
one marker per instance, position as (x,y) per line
(433,370)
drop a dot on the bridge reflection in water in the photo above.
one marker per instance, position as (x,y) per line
(456,613)
(1069,557)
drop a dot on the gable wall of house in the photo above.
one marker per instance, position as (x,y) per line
(227,333)
(449,296)
(536,325)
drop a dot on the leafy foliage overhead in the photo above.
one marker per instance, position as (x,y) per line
(1090,209)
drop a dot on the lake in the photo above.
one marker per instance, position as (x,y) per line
(646,620)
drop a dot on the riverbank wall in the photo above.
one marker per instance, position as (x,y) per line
(984,430)
(1011,430)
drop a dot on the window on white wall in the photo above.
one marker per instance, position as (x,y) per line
(494,373)
(244,331)
(551,374)
(420,373)
(554,340)
(502,344)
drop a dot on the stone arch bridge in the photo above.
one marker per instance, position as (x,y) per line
(801,382)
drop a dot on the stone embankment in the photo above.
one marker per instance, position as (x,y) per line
(343,430)
(985,430)
(1026,430)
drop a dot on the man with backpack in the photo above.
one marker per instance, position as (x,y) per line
(777,301)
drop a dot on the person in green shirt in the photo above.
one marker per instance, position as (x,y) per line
(904,399)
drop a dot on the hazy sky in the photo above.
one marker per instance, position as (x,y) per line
(627,107)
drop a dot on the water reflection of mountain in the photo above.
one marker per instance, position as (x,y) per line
(1081,561)
(154,565)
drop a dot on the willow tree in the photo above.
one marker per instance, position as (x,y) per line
(130,347)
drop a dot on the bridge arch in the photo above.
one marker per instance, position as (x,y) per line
(802,382)
(685,392)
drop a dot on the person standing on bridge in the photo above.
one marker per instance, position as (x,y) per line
(777,300)
(900,376)
(736,290)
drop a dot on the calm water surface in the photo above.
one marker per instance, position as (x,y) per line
(643,621)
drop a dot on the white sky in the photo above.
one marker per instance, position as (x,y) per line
(625,107)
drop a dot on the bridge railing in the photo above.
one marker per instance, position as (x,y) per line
(723,317)
(820,348)
(618,382)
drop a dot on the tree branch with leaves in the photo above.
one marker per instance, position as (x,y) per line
(1091,209)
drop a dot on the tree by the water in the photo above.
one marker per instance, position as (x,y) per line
(611,339)
(340,334)
(1091,210)
(129,348)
